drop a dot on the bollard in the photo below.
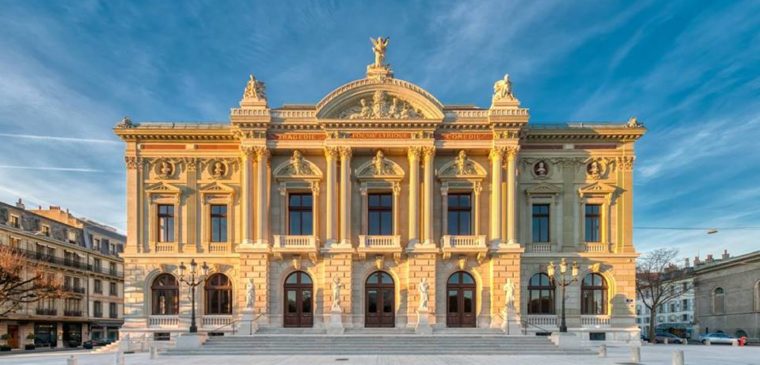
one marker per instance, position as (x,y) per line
(665,341)
(635,354)
(707,342)
(678,357)
(118,358)
(153,352)
(603,351)
(734,342)
(72,360)
(685,341)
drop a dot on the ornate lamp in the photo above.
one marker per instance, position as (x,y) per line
(193,283)
(563,280)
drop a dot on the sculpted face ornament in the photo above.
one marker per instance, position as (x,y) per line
(594,170)
(165,169)
(219,170)
(540,169)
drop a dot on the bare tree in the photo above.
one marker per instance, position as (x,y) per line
(658,281)
(23,281)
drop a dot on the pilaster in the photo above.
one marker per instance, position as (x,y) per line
(345,196)
(496,155)
(413,153)
(331,209)
(427,221)
(512,194)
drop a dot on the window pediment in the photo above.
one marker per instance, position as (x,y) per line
(297,167)
(461,167)
(597,188)
(163,188)
(380,168)
(543,188)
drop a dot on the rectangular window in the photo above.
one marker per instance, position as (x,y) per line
(46,231)
(300,214)
(104,246)
(112,268)
(541,223)
(14,221)
(96,265)
(112,310)
(218,223)
(96,244)
(460,214)
(112,290)
(165,223)
(592,222)
(380,214)
(97,308)
(685,304)
(98,286)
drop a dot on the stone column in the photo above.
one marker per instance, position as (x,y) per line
(396,195)
(247,195)
(193,242)
(261,191)
(315,208)
(345,196)
(512,194)
(331,195)
(445,209)
(134,177)
(496,155)
(427,182)
(477,188)
(414,196)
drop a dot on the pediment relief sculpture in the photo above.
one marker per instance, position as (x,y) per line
(381,105)
(297,167)
(462,166)
(379,167)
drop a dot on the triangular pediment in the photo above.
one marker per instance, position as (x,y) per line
(543,188)
(216,187)
(597,188)
(163,188)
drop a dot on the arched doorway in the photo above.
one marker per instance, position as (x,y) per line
(460,300)
(379,308)
(298,300)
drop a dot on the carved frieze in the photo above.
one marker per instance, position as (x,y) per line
(381,106)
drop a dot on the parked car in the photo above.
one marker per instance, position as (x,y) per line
(661,336)
(717,337)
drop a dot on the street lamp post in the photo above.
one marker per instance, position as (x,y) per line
(562,279)
(192,283)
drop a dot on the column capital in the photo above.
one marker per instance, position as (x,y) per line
(497,152)
(345,152)
(261,153)
(428,152)
(413,152)
(512,151)
(331,152)
(133,162)
(626,162)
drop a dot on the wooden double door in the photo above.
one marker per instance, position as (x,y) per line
(299,300)
(380,301)
(460,300)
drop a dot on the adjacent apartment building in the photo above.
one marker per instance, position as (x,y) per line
(727,295)
(85,255)
(677,314)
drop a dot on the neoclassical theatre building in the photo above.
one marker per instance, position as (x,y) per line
(354,202)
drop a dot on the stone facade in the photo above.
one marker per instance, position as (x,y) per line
(727,295)
(381,134)
(84,255)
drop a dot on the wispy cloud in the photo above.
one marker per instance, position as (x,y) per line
(62,139)
(50,168)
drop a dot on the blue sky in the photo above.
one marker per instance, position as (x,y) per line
(690,70)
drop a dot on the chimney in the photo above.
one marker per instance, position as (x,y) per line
(20,204)
(725,255)
(686,262)
(696,260)
(709,259)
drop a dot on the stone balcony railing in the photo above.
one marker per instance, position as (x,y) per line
(217,320)
(595,321)
(539,247)
(379,244)
(537,322)
(218,247)
(166,247)
(451,244)
(295,244)
(164,321)
(597,247)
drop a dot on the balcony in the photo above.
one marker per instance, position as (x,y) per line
(464,245)
(595,321)
(379,245)
(72,289)
(218,247)
(539,247)
(291,244)
(166,247)
(597,247)
(72,313)
(46,311)
(163,321)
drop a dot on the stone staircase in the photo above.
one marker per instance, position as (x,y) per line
(390,342)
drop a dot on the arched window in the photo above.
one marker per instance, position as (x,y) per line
(594,295)
(540,294)
(460,300)
(218,295)
(165,294)
(718,301)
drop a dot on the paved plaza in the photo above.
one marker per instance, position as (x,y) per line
(660,354)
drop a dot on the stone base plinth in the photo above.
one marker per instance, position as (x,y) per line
(335,326)
(565,339)
(247,326)
(423,323)
(190,341)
